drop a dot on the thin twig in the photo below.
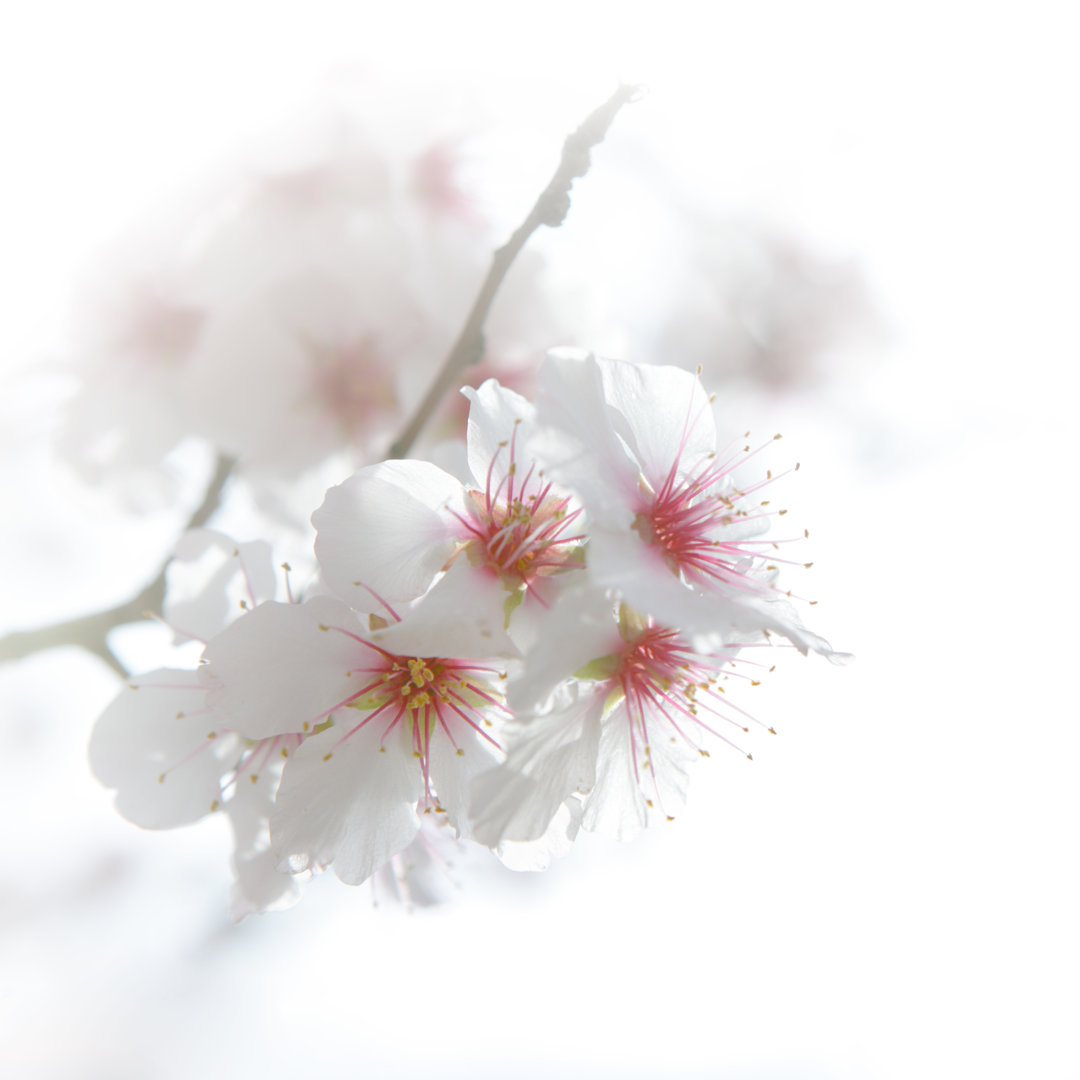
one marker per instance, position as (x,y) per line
(551,209)
(91,632)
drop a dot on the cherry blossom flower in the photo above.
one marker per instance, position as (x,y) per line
(159,746)
(392,528)
(617,736)
(669,527)
(390,730)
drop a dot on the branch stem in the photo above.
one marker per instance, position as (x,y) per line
(91,632)
(550,209)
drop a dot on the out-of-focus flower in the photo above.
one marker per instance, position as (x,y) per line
(298,313)
(754,302)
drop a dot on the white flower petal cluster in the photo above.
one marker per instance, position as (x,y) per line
(539,645)
(292,312)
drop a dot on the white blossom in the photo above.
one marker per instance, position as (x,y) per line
(670,529)
(392,528)
(390,730)
(616,735)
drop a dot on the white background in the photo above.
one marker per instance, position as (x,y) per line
(890,888)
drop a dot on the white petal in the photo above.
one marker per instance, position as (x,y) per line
(497,415)
(621,803)
(389,529)
(580,628)
(578,443)
(282,668)
(350,805)
(156,745)
(463,616)
(554,844)
(616,805)
(665,413)
(453,770)
(209,577)
(549,759)
(260,886)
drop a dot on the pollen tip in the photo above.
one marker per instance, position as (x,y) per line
(798,465)
(749,757)
(772,731)
(327,757)
(323,628)
(214,806)
(777,436)
(253,777)
(161,778)
(670,818)
(704,753)
(648,803)
(806,566)
(285,566)
(755,682)
(461,753)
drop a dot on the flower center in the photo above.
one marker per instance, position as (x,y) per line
(427,694)
(697,523)
(519,527)
(669,690)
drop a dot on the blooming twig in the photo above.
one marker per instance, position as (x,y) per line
(550,209)
(91,632)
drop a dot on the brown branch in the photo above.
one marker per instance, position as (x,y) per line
(551,209)
(91,632)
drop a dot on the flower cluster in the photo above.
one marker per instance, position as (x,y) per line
(293,314)
(538,642)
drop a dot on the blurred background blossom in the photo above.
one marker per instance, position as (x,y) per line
(859,219)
